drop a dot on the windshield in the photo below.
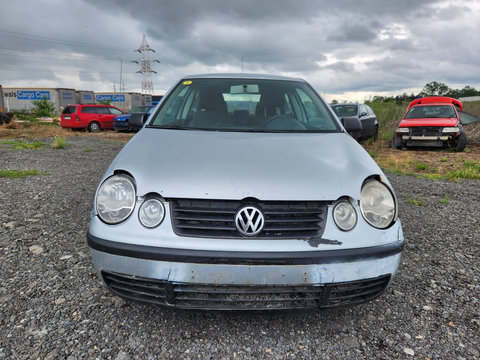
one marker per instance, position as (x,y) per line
(245,105)
(431,111)
(345,110)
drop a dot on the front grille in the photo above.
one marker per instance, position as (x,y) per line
(216,218)
(426,131)
(238,297)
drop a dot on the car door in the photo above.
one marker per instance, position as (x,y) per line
(368,119)
(87,115)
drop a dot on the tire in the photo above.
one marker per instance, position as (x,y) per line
(396,143)
(375,133)
(461,142)
(94,127)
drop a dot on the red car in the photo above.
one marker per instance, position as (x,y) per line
(431,121)
(89,116)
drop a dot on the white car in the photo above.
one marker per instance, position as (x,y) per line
(245,192)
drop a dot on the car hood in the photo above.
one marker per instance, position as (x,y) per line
(238,165)
(121,117)
(443,122)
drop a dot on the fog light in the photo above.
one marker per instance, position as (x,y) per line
(151,213)
(344,215)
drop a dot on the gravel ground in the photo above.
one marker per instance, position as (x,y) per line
(53,306)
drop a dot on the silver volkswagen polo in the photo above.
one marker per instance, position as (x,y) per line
(245,192)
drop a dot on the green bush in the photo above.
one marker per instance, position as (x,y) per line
(43,107)
(388,114)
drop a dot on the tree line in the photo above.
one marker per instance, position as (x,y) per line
(433,88)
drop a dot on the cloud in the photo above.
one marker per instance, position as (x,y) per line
(340,46)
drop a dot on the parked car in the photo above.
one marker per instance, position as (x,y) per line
(89,116)
(133,120)
(362,112)
(255,198)
(431,121)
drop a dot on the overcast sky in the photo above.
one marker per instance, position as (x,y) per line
(346,49)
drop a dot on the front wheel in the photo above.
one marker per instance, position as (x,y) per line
(93,126)
(397,143)
(461,142)
(375,133)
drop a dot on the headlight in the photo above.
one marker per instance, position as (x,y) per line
(151,213)
(450,130)
(402,130)
(344,215)
(115,199)
(377,204)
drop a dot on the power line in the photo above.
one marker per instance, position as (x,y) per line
(40,38)
(56,70)
(34,56)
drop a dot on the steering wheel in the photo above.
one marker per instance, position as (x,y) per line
(283,122)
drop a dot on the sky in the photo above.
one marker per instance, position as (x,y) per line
(347,50)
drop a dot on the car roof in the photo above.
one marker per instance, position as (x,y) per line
(242,76)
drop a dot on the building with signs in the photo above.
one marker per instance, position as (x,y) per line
(22,98)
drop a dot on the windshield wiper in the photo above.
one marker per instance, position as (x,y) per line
(176,127)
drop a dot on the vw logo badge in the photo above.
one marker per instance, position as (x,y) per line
(249,221)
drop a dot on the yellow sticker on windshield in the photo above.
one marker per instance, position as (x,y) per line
(188,82)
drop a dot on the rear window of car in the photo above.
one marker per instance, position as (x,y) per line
(345,110)
(70,110)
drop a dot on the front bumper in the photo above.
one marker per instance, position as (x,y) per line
(225,280)
(425,136)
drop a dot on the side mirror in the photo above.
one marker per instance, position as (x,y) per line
(363,114)
(351,123)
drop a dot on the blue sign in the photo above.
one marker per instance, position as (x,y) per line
(33,95)
(117,98)
(87,97)
(67,95)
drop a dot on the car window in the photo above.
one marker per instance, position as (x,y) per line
(102,110)
(431,111)
(362,110)
(89,109)
(245,105)
(69,110)
(345,110)
(138,109)
(115,111)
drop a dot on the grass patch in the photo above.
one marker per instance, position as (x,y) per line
(433,177)
(24,144)
(470,163)
(22,174)
(471,173)
(59,142)
(445,200)
(469,170)
(415,201)
(398,163)
(443,160)
(90,149)
(421,166)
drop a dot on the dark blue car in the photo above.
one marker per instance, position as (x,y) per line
(133,120)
